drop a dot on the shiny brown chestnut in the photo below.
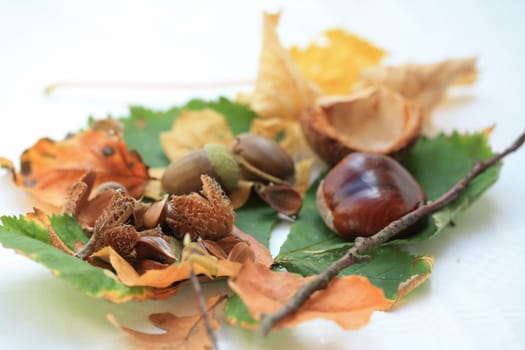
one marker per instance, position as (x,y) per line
(364,192)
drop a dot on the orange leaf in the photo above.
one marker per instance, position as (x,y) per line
(349,301)
(187,332)
(262,254)
(163,278)
(50,167)
(335,67)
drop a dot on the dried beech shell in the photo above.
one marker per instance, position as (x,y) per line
(214,248)
(241,252)
(374,120)
(283,198)
(154,248)
(208,216)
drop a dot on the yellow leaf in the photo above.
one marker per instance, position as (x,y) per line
(194,129)
(335,67)
(280,89)
(349,301)
(289,132)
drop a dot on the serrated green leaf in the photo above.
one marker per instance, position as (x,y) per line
(257,219)
(387,269)
(141,132)
(27,237)
(437,164)
(68,229)
(28,228)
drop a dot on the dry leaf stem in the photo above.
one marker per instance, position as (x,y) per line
(362,245)
(202,307)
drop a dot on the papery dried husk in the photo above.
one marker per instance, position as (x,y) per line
(374,120)
(426,84)
(280,89)
(209,216)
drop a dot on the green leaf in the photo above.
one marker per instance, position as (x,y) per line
(388,268)
(257,219)
(141,132)
(31,239)
(143,126)
(437,164)
(237,313)
(68,229)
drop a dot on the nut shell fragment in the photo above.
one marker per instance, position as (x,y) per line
(373,120)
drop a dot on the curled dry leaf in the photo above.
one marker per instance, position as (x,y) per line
(349,301)
(335,65)
(424,83)
(261,253)
(280,89)
(194,129)
(166,277)
(49,168)
(373,120)
(188,332)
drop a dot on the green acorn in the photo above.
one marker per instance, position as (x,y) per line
(183,175)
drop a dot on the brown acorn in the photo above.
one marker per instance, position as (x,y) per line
(262,159)
(183,175)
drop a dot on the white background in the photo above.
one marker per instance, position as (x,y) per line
(474,299)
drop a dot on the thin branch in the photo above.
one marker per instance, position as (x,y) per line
(363,245)
(145,85)
(202,307)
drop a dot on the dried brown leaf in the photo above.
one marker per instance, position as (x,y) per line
(349,301)
(424,83)
(280,89)
(188,332)
(49,168)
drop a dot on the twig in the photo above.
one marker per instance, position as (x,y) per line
(363,245)
(145,85)
(202,307)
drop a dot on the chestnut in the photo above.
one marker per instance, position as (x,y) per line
(364,192)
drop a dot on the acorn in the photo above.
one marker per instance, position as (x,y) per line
(183,175)
(263,160)
(365,192)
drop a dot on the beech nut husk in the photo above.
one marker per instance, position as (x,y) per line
(183,175)
(364,192)
(262,159)
(372,120)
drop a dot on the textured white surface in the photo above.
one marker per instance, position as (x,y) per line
(474,299)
